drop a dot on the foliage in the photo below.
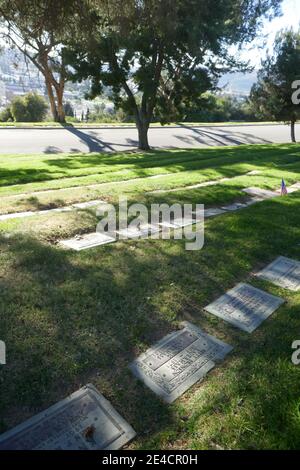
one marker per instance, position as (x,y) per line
(160,67)
(5,115)
(37,29)
(102,114)
(71,315)
(271,96)
(29,108)
(69,110)
(220,109)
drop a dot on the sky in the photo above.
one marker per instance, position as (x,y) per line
(241,83)
(258,49)
(290,18)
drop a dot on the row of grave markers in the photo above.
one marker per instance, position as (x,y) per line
(258,193)
(90,204)
(86,420)
(78,205)
(92,240)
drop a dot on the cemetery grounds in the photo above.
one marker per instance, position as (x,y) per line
(70,318)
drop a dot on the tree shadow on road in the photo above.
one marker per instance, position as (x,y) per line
(220,137)
(92,141)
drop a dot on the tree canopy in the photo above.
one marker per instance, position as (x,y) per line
(271,96)
(28,108)
(161,54)
(38,28)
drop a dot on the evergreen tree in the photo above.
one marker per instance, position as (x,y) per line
(37,28)
(159,56)
(271,96)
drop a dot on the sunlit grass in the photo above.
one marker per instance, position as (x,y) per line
(70,318)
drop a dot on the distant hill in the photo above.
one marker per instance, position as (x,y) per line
(238,83)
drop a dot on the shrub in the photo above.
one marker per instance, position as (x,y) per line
(69,110)
(5,115)
(29,108)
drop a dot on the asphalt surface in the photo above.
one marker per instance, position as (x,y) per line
(51,141)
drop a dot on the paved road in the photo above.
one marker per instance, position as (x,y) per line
(110,139)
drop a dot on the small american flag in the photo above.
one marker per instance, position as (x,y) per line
(283,188)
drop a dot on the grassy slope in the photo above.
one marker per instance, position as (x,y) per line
(24,174)
(69,318)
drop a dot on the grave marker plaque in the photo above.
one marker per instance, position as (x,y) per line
(261,193)
(179,222)
(234,207)
(17,215)
(245,306)
(294,187)
(86,205)
(80,205)
(213,211)
(178,361)
(54,211)
(90,240)
(83,421)
(253,200)
(283,272)
(139,232)
(184,222)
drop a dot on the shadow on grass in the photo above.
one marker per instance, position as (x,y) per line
(69,318)
(272,156)
(39,206)
(72,320)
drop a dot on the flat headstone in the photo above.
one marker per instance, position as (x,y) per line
(139,232)
(213,212)
(245,306)
(261,193)
(16,215)
(253,172)
(52,211)
(184,222)
(86,205)
(80,205)
(234,207)
(179,222)
(293,188)
(83,421)
(283,272)
(253,200)
(178,361)
(90,240)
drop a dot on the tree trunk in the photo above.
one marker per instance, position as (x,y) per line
(55,94)
(61,117)
(293,137)
(143,126)
(51,100)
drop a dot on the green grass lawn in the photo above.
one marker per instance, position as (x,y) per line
(67,178)
(70,318)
